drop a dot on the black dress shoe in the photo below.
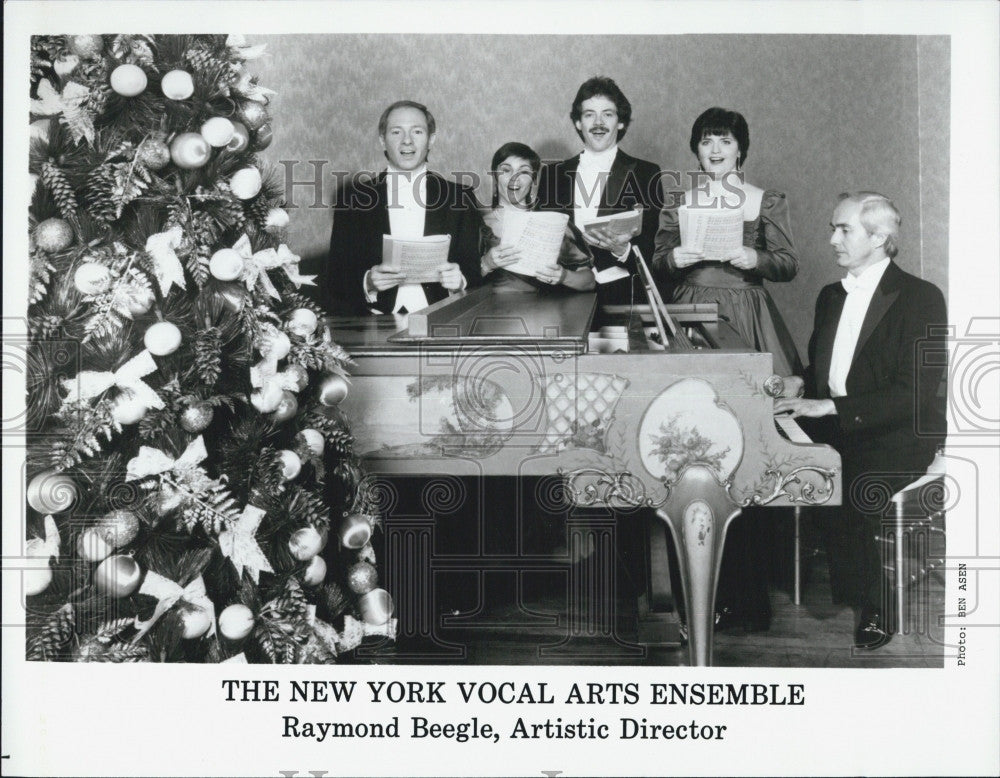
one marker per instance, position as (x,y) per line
(871,632)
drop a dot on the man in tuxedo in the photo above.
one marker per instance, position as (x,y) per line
(405,201)
(603,180)
(869,394)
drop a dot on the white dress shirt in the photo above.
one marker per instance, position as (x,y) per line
(406,194)
(591,178)
(860,289)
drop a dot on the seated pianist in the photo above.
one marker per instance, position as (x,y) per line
(405,201)
(515,168)
(867,395)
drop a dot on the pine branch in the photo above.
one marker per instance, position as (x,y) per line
(82,426)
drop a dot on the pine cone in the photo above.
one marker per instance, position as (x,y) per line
(54,636)
(201,59)
(208,355)
(256,211)
(55,181)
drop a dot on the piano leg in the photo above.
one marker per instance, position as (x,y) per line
(698,513)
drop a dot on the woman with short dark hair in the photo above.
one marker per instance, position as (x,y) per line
(515,168)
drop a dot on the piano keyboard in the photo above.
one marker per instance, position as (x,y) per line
(790,430)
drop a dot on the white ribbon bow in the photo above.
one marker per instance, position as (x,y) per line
(90,383)
(239,543)
(151,461)
(355,631)
(169,593)
(162,248)
(256,265)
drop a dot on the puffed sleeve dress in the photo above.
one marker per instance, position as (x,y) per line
(740,294)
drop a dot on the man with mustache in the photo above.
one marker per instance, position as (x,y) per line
(405,201)
(871,393)
(603,180)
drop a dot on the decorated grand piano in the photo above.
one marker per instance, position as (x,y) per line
(655,411)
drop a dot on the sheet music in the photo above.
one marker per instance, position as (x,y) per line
(628,223)
(420,259)
(539,235)
(717,232)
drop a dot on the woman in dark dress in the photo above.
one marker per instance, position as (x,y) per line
(720,139)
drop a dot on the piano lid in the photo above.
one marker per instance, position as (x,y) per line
(485,317)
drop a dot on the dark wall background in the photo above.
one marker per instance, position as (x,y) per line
(826,114)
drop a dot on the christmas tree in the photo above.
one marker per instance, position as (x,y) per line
(187,459)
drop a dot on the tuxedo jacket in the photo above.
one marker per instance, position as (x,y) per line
(893,416)
(631,182)
(361,218)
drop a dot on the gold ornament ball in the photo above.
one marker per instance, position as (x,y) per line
(241,137)
(246,183)
(306,543)
(226,265)
(302,322)
(267,398)
(86,46)
(128,409)
(315,574)
(297,376)
(236,622)
(291,465)
(218,131)
(362,577)
(118,528)
(128,80)
(51,492)
(254,115)
(190,151)
(154,154)
(117,576)
(355,531)
(92,278)
(195,623)
(376,607)
(287,407)
(333,391)
(162,338)
(53,235)
(92,546)
(263,137)
(177,85)
(196,418)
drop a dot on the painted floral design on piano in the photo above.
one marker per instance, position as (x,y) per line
(677,447)
(686,425)
(433,415)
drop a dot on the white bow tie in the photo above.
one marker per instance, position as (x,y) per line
(852,284)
